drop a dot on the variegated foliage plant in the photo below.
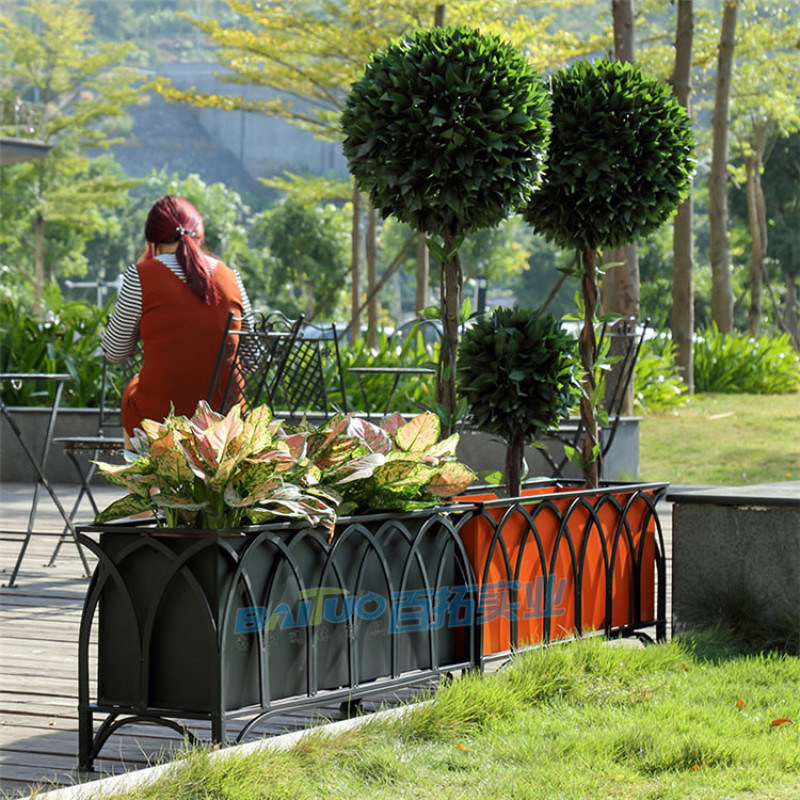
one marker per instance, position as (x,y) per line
(219,472)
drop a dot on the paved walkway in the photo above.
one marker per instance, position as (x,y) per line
(39,621)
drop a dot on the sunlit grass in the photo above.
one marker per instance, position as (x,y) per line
(689,718)
(729,439)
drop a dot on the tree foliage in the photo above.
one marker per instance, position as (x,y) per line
(620,157)
(74,94)
(308,243)
(446,130)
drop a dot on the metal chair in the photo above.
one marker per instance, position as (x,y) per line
(107,439)
(625,341)
(251,361)
(303,388)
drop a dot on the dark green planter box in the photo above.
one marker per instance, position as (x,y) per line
(221,624)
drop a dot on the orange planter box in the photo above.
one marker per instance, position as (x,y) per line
(564,564)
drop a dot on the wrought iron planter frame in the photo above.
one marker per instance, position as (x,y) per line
(395,543)
(419,552)
(620,517)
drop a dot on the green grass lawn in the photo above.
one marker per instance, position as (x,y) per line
(691,718)
(730,439)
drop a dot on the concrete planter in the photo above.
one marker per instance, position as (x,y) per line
(735,542)
(14,465)
(484,452)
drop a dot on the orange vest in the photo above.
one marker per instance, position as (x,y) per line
(181,338)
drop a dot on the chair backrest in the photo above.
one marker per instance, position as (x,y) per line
(312,381)
(625,342)
(250,361)
(115,378)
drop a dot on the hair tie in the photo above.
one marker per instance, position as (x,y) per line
(181,231)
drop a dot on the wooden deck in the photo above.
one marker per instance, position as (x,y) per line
(39,619)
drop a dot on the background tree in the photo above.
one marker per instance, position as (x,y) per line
(764,107)
(620,283)
(310,53)
(308,244)
(721,291)
(618,163)
(445,131)
(682,318)
(77,94)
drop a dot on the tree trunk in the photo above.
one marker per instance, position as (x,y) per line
(355,259)
(621,296)
(621,283)
(588,349)
(756,216)
(682,231)
(423,275)
(438,15)
(450,289)
(372,276)
(38,264)
(790,311)
(721,290)
(515,455)
(624,42)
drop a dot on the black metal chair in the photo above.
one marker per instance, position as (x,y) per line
(625,338)
(304,388)
(106,441)
(251,361)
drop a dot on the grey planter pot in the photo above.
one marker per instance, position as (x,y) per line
(221,624)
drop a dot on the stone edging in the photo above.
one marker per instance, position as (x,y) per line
(116,784)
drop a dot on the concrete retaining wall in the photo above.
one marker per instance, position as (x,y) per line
(730,541)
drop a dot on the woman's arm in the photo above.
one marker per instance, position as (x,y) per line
(121,335)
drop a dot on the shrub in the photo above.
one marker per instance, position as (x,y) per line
(738,363)
(619,162)
(518,371)
(446,131)
(657,383)
(67,340)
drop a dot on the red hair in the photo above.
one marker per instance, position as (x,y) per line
(173,219)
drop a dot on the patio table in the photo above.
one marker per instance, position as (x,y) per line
(39,462)
(397,372)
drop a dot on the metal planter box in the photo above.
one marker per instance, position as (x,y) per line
(563,561)
(218,625)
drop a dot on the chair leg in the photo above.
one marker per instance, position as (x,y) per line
(85,491)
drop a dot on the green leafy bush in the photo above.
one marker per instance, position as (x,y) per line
(657,382)
(213,471)
(518,371)
(67,340)
(736,362)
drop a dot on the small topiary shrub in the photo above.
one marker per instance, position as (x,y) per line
(518,371)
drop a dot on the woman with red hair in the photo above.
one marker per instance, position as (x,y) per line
(176,299)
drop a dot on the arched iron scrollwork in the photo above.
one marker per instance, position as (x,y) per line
(237,626)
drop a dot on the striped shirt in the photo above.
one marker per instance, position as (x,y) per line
(121,335)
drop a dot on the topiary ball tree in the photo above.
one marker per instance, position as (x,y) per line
(446,130)
(619,163)
(518,371)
